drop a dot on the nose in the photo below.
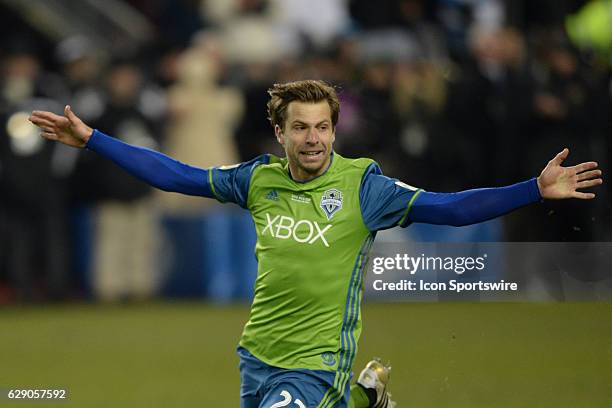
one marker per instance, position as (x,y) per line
(312,137)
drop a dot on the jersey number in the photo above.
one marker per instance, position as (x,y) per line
(287,400)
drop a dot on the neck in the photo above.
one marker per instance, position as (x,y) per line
(301,176)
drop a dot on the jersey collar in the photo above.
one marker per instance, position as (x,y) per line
(315,181)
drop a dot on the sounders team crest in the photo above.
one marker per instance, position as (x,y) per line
(331,202)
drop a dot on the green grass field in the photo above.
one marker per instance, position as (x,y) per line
(443,354)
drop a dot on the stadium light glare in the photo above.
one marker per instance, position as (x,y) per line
(23,135)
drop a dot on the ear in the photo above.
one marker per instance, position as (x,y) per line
(278,132)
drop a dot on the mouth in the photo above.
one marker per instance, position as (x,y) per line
(312,155)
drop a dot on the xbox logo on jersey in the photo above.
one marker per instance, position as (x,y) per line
(301,231)
(331,202)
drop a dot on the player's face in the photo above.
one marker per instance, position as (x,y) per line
(308,138)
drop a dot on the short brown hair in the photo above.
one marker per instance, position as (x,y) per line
(310,90)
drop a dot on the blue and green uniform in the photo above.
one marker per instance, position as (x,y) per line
(312,245)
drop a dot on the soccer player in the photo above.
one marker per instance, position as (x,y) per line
(316,214)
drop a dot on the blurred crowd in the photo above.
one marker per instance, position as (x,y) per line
(445,95)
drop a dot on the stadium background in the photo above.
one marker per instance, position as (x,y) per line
(129,297)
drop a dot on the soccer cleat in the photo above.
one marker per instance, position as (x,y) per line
(375,376)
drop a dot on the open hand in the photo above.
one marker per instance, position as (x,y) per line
(67,129)
(557,182)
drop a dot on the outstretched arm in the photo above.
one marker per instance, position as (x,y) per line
(226,184)
(150,166)
(386,202)
(473,206)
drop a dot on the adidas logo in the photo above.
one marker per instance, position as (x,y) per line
(272,195)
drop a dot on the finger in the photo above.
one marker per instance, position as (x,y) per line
(46,115)
(60,123)
(579,168)
(588,175)
(40,122)
(589,183)
(49,135)
(583,196)
(70,115)
(562,155)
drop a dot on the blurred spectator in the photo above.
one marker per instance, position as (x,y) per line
(203,116)
(399,30)
(380,122)
(316,21)
(177,21)
(34,249)
(486,115)
(563,114)
(246,30)
(254,134)
(24,77)
(125,265)
(419,95)
(82,68)
(82,65)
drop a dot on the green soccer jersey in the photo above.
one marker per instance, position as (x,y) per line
(313,240)
(311,249)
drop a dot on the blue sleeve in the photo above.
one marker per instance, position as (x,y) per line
(473,206)
(386,202)
(226,184)
(231,183)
